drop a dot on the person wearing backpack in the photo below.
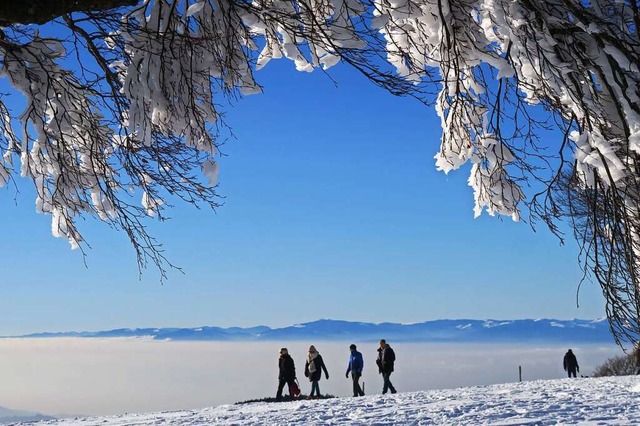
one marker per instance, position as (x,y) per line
(313,370)
(386,360)
(356,364)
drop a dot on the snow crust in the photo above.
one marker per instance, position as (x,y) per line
(584,401)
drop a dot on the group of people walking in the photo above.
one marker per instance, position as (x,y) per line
(314,366)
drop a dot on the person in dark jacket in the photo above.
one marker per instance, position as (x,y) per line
(356,364)
(385,361)
(287,375)
(313,370)
(570,363)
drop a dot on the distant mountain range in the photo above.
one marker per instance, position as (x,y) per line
(9,416)
(489,331)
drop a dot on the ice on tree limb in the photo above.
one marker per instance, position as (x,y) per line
(210,170)
(144,113)
(454,37)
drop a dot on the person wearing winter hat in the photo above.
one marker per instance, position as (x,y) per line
(287,375)
(313,370)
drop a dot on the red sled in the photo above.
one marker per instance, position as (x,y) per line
(294,389)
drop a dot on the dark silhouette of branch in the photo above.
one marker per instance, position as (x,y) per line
(43,11)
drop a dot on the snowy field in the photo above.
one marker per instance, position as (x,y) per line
(584,401)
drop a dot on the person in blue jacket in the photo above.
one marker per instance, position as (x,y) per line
(356,364)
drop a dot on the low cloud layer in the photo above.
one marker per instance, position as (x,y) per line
(113,376)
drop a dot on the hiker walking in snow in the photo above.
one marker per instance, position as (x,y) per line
(385,361)
(570,363)
(287,375)
(313,370)
(356,364)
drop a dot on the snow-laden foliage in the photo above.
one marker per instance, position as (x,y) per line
(122,102)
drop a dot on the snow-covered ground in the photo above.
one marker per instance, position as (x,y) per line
(584,401)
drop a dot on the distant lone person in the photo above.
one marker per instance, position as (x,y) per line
(356,365)
(386,360)
(313,370)
(287,375)
(570,363)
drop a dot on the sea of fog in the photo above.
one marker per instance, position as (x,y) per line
(74,376)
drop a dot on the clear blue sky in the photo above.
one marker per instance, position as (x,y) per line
(333,209)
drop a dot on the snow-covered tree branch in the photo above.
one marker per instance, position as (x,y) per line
(121,102)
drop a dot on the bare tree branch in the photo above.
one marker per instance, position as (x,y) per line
(123,103)
(43,11)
